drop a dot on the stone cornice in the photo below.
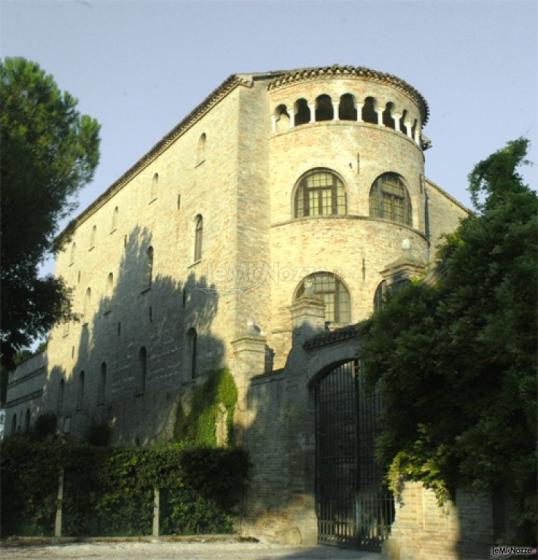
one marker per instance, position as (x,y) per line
(164,143)
(315,73)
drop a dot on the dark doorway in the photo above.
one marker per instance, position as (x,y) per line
(352,505)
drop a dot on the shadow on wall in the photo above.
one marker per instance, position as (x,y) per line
(146,341)
(280,435)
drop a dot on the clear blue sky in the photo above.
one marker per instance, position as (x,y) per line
(140,67)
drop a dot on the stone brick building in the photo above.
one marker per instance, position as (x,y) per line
(278,210)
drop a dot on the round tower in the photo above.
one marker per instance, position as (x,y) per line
(346,187)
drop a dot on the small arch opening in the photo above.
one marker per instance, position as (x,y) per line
(324,108)
(81,389)
(192,343)
(93,236)
(149,268)
(403,120)
(198,237)
(201,148)
(87,303)
(302,112)
(282,118)
(102,384)
(27,420)
(154,186)
(347,110)
(115,215)
(143,365)
(388,119)
(369,114)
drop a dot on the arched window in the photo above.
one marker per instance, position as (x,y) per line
(143,359)
(192,340)
(332,292)
(27,420)
(61,394)
(403,123)
(198,237)
(201,148)
(369,114)
(148,278)
(324,108)
(92,237)
(13,423)
(109,288)
(154,187)
(389,199)
(115,215)
(320,193)
(380,294)
(80,392)
(282,118)
(87,303)
(302,112)
(101,396)
(347,110)
(388,119)
(72,256)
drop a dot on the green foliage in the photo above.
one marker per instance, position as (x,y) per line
(457,360)
(198,427)
(109,491)
(49,151)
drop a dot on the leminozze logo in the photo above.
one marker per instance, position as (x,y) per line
(511,551)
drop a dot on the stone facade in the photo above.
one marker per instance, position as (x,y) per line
(196,257)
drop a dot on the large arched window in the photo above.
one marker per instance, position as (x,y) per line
(198,237)
(389,199)
(332,292)
(320,193)
(380,294)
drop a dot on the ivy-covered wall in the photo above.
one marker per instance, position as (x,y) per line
(110,491)
(210,418)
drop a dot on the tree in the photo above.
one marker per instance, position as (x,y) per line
(48,152)
(456,358)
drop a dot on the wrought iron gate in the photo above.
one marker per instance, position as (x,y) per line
(353,507)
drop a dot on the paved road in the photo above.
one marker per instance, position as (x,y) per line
(180,551)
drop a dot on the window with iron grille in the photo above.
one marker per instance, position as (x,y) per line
(389,199)
(333,294)
(320,193)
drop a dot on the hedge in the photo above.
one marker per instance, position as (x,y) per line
(109,491)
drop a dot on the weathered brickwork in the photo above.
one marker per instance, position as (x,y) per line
(141,291)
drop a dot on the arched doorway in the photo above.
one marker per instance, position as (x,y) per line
(352,506)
